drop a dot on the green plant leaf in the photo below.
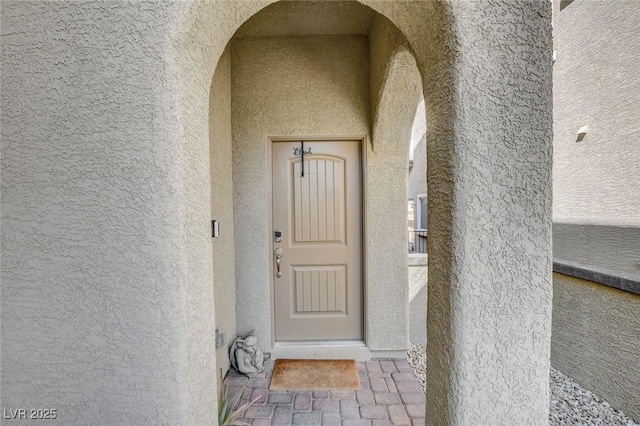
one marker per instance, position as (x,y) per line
(236,414)
(226,413)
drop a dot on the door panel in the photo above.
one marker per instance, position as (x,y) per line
(321,217)
(320,289)
(319,293)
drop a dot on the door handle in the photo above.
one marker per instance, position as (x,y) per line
(278,253)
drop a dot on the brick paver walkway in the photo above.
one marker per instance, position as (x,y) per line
(390,395)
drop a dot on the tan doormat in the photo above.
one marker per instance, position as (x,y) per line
(315,374)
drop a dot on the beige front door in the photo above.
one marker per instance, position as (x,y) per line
(317,233)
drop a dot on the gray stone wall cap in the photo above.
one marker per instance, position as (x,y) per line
(621,280)
(417,259)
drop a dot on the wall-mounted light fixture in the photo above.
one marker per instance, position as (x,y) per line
(582,132)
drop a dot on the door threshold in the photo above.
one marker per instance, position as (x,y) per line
(321,349)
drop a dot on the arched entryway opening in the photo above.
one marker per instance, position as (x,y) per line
(326,75)
(491,235)
(417,230)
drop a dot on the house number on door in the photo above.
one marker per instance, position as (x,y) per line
(301,151)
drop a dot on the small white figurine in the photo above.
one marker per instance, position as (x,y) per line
(246,356)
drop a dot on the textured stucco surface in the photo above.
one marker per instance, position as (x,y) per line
(390,86)
(595,340)
(609,248)
(387,242)
(223,260)
(309,17)
(99,300)
(596,83)
(395,91)
(198,34)
(301,86)
(488,99)
(107,307)
(418,298)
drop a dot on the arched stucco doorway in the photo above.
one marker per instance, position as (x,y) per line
(107,136)
(471,84)
(353,76)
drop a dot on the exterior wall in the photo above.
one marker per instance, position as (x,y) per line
(488,78)
(107,307)
(596,83)
(418,298)
(418,173)
(610,249)
(386,41)
(395,91)
(595,336)
(99,299)
(306,86)
(193,41)
(222,208)
(419,128)
(387,242)
(595,339)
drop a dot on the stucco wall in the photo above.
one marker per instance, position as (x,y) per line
(306,86)
(97,318)
(613,249)
(386,41)
(395,92)
(107,307)
(418,298)
(387,242)
(222,208)
(596,83)
(488,99)
(595,339)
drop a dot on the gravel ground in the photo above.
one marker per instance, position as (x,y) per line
(570,403)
